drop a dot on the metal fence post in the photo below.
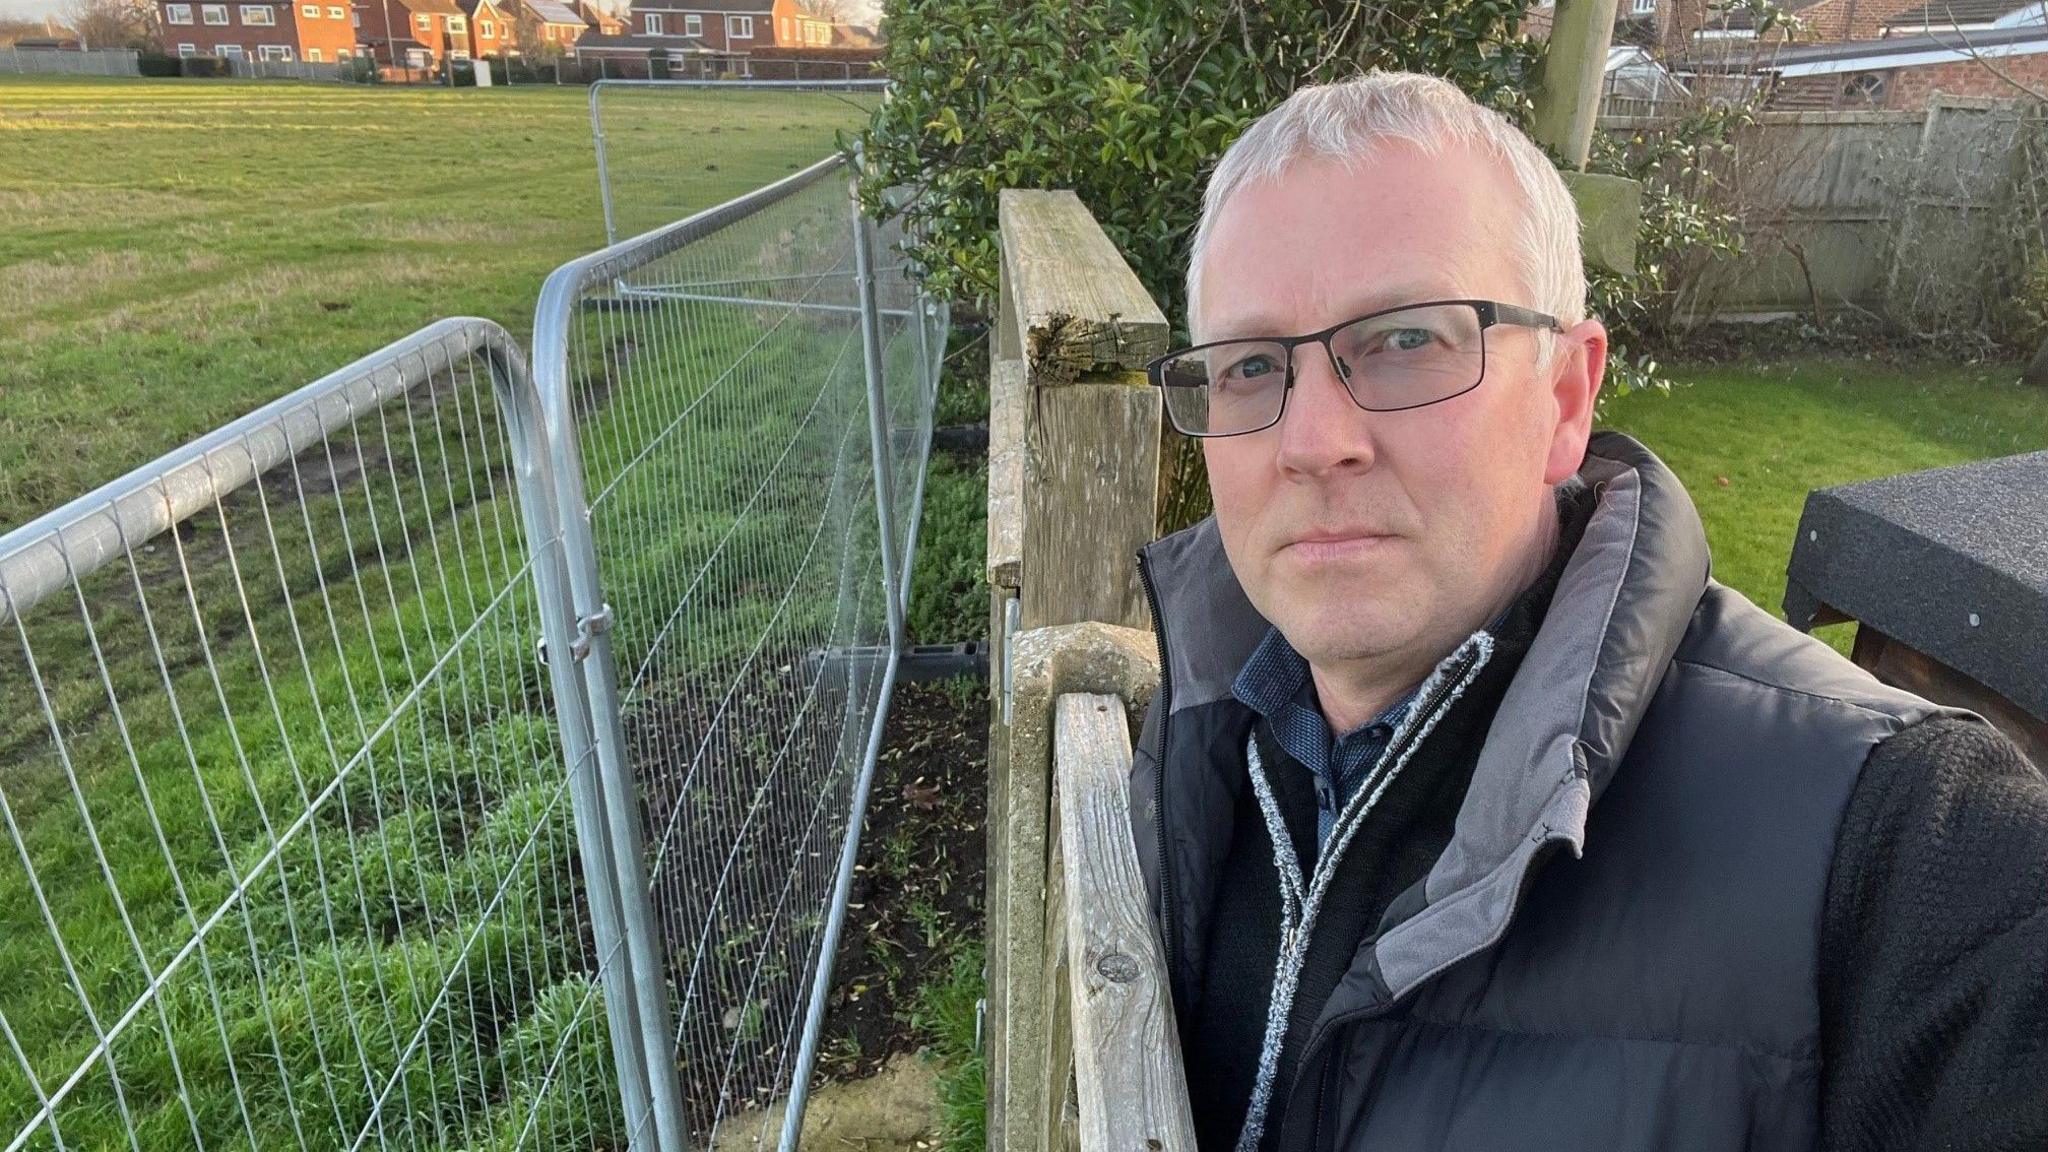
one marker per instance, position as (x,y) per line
(604,180)
(892,583)
(593,650)
(541,514)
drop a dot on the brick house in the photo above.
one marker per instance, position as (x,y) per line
(731,27)
(554,27)
(1675,26)
(796,28)
(1896,72)
(694,37)
(320,31)
(490,28)
(413,34)
(1967,16)
(599,20)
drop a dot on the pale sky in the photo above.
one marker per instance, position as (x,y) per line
(29,9)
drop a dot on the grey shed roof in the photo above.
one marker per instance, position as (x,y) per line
(1953,562)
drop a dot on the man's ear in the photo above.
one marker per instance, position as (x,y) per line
(1579,364)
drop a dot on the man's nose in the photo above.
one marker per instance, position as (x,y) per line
(1323,429)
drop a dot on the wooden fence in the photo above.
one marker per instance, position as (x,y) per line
(1902,214)
(1082,1050)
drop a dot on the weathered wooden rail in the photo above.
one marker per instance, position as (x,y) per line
(1082,1050)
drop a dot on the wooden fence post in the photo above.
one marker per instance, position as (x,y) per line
(1024,1080)
(1085,327)
(1130,1087)
(1074,432)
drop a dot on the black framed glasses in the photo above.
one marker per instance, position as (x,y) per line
(1389,361)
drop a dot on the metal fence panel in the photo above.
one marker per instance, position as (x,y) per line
(252,68)
(98,62)
(652,134)
(287,850)
(708,386)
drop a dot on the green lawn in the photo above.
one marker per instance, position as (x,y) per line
(174,252)
(171,255)
(1750,441)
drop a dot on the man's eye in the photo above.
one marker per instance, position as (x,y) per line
(1255,367)
(1407,340)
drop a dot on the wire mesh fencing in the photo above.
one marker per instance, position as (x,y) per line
(257,68)
(653,137)
(744,402)
(50,62)
(446,757)
(288,839)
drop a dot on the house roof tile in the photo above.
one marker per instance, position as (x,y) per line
(1925,48)
(1941,13)
(553,12)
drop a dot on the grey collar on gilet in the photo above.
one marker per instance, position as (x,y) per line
(1620,611)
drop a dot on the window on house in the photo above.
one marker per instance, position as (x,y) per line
(486,29)
(458,24)
(177,13)
(280,52)
(336,13)
(1865,90)
(310,11)
(785,28)
(693,25)
(258,14)
(1643,7)
(653,24)
(315,55)
(425,22)
(213,13)
(415,57)
(188,49)
(739,27)
(231,51)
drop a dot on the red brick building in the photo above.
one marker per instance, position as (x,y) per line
(554,27)
(490,29)
(599,20)
(1896,72)
(796,28)
(320,31)
(415,35)
(693,37)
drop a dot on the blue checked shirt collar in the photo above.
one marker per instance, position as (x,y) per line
(1276,684)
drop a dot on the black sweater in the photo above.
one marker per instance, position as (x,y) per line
(1934,946)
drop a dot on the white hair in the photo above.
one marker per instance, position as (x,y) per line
(1347,121)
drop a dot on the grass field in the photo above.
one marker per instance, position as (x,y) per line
(1751,440)
(408,961)
(173,253)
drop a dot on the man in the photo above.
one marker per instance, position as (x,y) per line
(1474,813)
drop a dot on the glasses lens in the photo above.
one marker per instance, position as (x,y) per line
(1225,388)
(1412,357)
